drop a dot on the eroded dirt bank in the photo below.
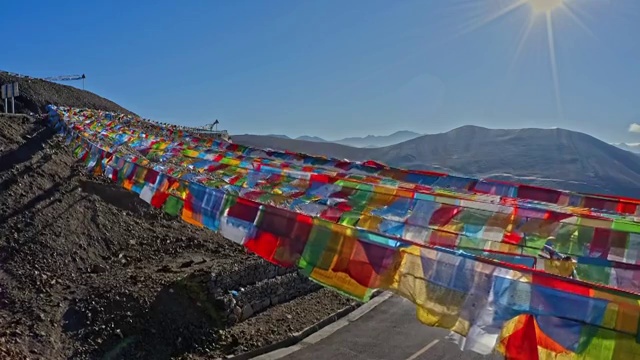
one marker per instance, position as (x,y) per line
(88,270)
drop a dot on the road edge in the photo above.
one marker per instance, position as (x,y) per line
(315,332)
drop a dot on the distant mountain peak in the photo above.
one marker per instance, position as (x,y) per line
(469,127)
(277,136)
(369,141)
(311,138)
(467,130)
(405,132)
(376,141)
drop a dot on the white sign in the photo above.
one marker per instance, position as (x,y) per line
(10,90)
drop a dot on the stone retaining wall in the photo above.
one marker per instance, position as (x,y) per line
(253,287)
(246,274)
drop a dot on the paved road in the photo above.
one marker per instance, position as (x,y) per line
(388,332)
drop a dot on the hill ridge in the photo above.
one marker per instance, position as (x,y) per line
(36,94)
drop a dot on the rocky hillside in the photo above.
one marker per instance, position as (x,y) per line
(36,94)
(90,271)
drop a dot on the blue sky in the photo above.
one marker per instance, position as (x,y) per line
(342,68)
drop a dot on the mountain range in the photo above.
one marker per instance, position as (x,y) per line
(369,141)
(547,157)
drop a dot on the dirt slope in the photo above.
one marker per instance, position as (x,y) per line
(36,94)
(88,270)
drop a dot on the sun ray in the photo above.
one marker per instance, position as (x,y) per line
(521,42)
(554,65)
(490,18)
(578,21)
(542,10)
(578,10)
(510,78)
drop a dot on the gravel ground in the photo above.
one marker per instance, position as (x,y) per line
(88,270)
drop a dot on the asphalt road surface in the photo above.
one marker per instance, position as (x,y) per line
(390,331)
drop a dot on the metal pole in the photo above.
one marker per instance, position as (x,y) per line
(13,105)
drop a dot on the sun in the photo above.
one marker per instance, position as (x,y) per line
(544,6)
(541,12)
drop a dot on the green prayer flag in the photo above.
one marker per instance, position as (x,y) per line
(173,205)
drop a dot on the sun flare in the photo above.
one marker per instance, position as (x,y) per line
(544,6)
(541,13)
